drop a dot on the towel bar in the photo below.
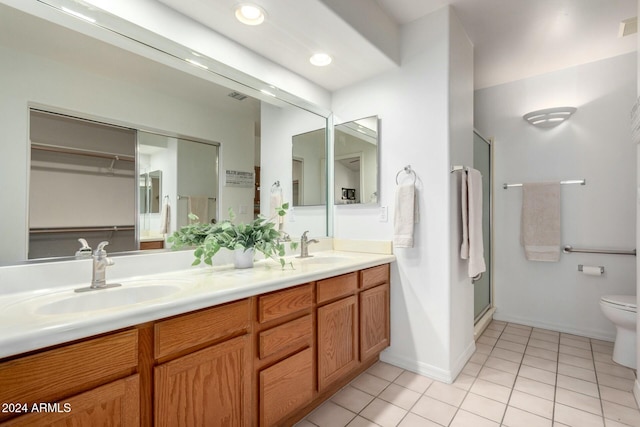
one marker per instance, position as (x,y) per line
(569,249)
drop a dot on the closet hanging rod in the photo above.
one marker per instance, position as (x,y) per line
(81,229)
(569,249)
(81,152)
(571,181)
(186,197)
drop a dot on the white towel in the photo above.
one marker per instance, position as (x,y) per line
(540,221)
(165,217)
(276,201)
(472,247)
(406,214)
(199,205)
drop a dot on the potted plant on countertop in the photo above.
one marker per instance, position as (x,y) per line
(244,239)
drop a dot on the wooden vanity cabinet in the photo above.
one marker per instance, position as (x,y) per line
(284,362)
(374,311)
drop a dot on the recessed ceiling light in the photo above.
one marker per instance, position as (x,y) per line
(250,14)
(320,59)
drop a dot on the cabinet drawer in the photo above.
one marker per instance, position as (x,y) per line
(190,330)
(283,303)
(286,387)
(67,370)
(374,276)
(336,287)
(154,244)
(296,333)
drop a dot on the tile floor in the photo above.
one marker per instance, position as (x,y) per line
(518,377)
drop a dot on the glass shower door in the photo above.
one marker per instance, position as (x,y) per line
(482,286)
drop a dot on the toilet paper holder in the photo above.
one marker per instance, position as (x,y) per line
(580,268)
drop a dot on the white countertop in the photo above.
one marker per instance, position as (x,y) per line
(24,328)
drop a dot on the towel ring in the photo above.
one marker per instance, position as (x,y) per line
(408,170)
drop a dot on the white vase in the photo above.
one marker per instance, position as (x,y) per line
(243,258)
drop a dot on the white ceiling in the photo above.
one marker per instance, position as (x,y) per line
(513,39)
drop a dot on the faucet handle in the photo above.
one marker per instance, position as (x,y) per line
(100,250)
(304,235)
(85,250)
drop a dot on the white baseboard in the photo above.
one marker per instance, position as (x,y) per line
(483,323)
(600,335)
(417,367)
(636,391)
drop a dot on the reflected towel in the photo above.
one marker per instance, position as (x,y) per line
(405,215)
(165,217)
(540,221)
(199,206)
(472,247)
(275,201)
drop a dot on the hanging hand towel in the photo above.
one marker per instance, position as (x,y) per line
(540,221)
(276,201)
(199,205)
(165,217)
(472,247)
(405,215)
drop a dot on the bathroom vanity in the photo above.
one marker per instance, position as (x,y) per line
(257,347)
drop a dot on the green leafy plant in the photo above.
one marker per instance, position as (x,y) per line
(208,239)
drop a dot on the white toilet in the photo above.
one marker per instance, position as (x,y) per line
(621,310)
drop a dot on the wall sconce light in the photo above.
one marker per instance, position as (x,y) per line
(549,117)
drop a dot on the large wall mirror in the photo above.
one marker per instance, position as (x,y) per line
(356,162)
(187,135)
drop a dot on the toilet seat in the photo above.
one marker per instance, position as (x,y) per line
(621,302)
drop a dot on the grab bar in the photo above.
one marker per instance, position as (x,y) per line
(569,249)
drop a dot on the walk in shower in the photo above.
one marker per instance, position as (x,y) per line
(482,289)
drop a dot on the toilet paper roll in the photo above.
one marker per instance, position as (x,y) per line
(592,270)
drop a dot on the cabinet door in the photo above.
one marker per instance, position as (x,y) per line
(286,387)
(337,340)
(210,387)
(113,404)
(374,321)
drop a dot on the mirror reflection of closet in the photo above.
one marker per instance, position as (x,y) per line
(308,168)
(356,162)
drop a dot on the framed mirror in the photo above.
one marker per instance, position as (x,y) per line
(356,162)
(84,70)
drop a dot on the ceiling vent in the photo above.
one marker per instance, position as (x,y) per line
(237,95)
(628,27)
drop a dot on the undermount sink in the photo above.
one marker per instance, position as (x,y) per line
(101,299)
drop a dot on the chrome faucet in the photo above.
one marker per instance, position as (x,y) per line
(100,263)
(304,245)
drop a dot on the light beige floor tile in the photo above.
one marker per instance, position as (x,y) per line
(542,353)
(498,326)
(361,422)
(520,339)
(510,345)
(576,418)
(491,390)
(567,335)
(509,355)
(472,369)
(515,417)
(530,403)
(502,365)
(535,388)
(487,340)
(578,401)
(496,376)
(400,396)
(491,333)
(615,370)
(537,374)
(547,331)
(517,331)
(604,349)
(483,406)
(519,326)
(413,381)
(580,362)
(434,410)
(478,358)
(601,342)
(547,345)
(370,384)
(331,415)
(574,341)
(618,396)
(540,363)
(622,414)
(604,358)
(383,413)
(611,423)
(483,348)
(413,420)
(554,339)
(464,381)
(615,382)
(352,399)
(385,371)
(446,393)
(304,423)
(578,385)
(467,419)
(575,351)
(576,372)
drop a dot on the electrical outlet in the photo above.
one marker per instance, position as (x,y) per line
(291,215)
(242,210)
(384,217)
